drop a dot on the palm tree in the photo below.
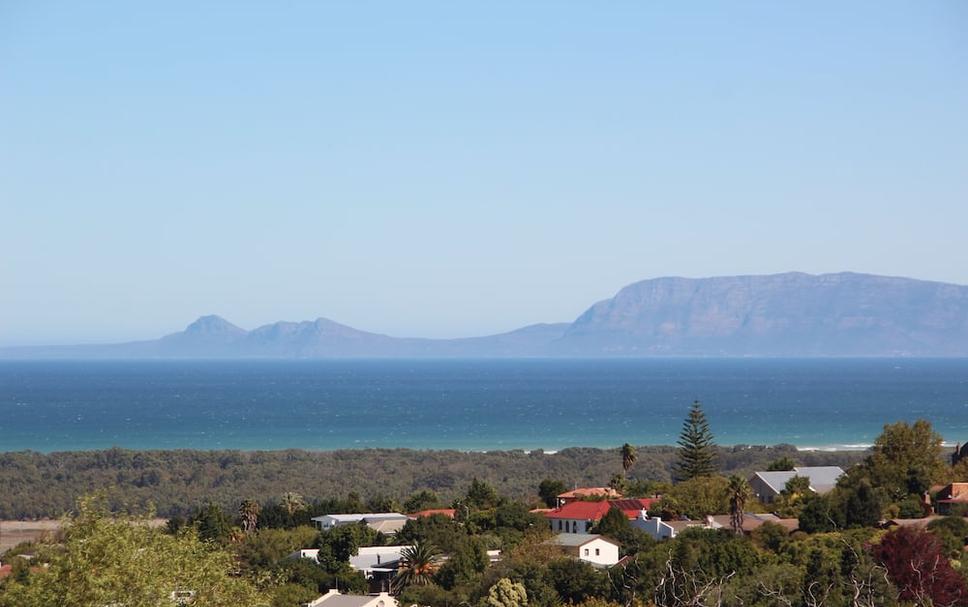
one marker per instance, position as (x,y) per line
(292,502)
(739,493)
(628,457)
(249,514)
(418,564)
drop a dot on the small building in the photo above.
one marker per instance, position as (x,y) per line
(952,499)
(334,598)
(377,559)
(595,549)
(370,560)
(664,530)
(767,485)
(577,517)
(753,520)
(587,493)
(384,522)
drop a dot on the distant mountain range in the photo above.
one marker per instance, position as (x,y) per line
(791,314)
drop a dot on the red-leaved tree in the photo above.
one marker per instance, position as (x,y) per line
(916,563)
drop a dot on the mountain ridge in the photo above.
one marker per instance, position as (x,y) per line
(784,315)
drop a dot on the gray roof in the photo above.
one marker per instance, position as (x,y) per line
(822,478)
(576,539)
(362,516)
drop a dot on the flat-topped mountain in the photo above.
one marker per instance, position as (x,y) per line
(792,314)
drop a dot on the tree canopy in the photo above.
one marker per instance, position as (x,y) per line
(696,446)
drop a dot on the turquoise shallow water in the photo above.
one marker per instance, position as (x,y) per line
(469,404)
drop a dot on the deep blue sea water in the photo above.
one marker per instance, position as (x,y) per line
(469,404)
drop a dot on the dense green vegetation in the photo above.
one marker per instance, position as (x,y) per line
(35,485)
(109,560)
(843,555)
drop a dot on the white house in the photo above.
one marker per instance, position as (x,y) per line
(377,559)
(663,530)
(333,598)
(595,549)
(368,559)
(386,522)
(767,486)
(577,517)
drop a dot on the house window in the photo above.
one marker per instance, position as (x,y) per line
(598,552)
(559,525)
(574,526)
(586,551)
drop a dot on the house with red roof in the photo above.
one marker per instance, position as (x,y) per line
(581,516)
(632,508)
(577,517)
(952,498)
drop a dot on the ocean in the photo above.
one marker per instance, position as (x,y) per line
(469,404)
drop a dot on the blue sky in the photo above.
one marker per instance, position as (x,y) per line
(446,169)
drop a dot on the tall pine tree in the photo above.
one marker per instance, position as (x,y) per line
(696,446)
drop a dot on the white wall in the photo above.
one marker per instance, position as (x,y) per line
(599,552)
(654,527)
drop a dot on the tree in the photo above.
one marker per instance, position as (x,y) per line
(790,501)
(696,446)
(784,464)
(418,564)
(338,544)
(481,495)
(739,493)
(506,593)
(614,524)
(422,500)
(292,503)
(953,533)
(820,514)
(862,505)
(212,523)
(906,459)
(628,457)
(110,559)
(696,498)
(576,581)
(267,546)
(922,573)
(464,565)
(619,482)
(549,490)
(249,515)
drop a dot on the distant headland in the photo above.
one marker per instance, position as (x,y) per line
(779,315)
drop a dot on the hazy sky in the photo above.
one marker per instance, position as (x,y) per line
(455,168)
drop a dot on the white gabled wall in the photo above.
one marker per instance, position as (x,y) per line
(599,552)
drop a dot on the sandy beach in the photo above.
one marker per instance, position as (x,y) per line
(16,532)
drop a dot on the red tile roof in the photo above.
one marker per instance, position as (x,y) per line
(632,507)
(5,571)
(582,511)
